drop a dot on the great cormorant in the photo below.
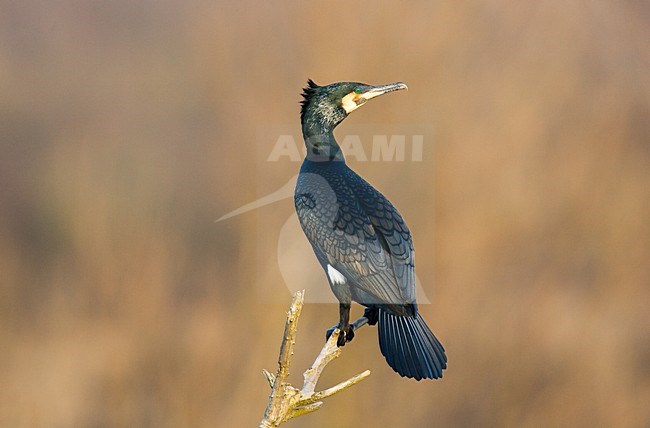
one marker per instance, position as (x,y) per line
(359,237)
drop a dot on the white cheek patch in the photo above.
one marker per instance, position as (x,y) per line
(335,276)
(348,103)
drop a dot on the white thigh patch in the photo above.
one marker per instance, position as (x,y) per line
(335,276)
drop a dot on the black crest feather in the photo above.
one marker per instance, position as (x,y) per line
(307,93)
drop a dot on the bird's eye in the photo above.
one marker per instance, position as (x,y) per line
(357,91)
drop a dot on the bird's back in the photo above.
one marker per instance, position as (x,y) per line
(356,230)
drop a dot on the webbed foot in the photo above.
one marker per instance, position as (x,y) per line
(345,336)
(372,314)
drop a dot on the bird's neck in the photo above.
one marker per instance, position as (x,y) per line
(321,144)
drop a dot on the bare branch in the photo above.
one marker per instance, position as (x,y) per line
(287,402)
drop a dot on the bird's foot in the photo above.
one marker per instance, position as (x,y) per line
(372,314)
(345,336)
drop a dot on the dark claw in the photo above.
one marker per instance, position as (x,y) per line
(346,336)
(350,334)
(341,340)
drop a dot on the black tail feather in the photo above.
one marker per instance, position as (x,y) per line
(410,347)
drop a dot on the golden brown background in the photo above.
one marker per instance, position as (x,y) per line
(127,127)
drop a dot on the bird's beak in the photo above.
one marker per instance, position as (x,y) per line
(353,101)
(376,91)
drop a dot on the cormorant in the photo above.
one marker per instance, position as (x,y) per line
(359,237)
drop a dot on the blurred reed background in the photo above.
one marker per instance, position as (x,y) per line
(127,128)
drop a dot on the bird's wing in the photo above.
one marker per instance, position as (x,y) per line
(338,227)
(393,231)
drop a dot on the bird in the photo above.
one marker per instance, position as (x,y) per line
(359,238)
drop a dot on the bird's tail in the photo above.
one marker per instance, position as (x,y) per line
(410,347)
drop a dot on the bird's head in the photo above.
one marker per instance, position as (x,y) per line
(326,106)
